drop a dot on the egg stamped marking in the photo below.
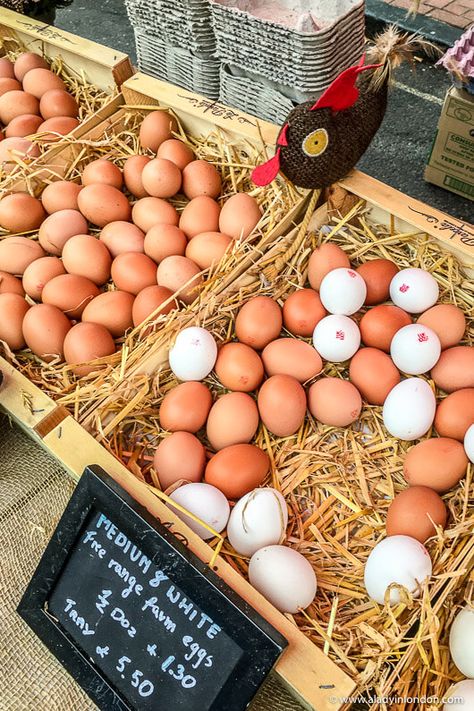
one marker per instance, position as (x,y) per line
(340,335)
(404,288)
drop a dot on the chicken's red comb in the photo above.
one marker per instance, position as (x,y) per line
(343,93)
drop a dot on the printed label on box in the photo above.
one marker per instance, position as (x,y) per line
(460,147)
(459,110)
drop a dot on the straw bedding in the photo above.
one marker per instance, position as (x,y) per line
(338,482)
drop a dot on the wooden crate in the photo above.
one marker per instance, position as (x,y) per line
(101,66)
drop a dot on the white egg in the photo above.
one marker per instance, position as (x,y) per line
(194,354)
(415,349)
(396,559)
(469,443)
(414,290)
(204,501)
(336,338)
(461,641)
(284,577)
(258,519)
(409,409)
(342,291)
(460,696)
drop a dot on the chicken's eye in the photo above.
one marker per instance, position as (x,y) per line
(315,143)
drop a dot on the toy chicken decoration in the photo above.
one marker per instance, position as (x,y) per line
(321,142)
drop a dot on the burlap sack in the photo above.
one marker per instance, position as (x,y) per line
(34,491)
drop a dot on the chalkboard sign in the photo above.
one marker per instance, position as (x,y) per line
(136,618)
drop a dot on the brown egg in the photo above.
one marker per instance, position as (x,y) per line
(289,356)
(16,253)
(181,276)
(258,322)
(86,342)
(38,273)
(439,463)
(238,367)
(13,308)
(156,128)
(104,172)
(176,151)
(57,102)
(60,195)
(379,325)
(201,214)
(201,178)
(413,513)
(447,321)
(120,237)
(59,227)
(101,204)
(302,311)
(70,293)
(149,300)
(377,274)
(56,127)
(16,103)
(161,178)
(455,414)
(179,456)
(239,216)
(208,248)
(185,407)
(38,81)
(323,260)
(15,149)
(151,211)
(6,68)
(87,256)
(112,309)
(233,419)
(374,374)
(237,469)
(282,405)
(334,402)
(8,84)
(9,284)
(28,61)
(455,369)
(44,329)
(133,272)
(132,175)
(163,241)
(21,212)
(21,126)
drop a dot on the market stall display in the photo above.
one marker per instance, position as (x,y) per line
(240,383)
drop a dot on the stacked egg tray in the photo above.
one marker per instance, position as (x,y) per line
(299,65)
(177,66)
(184,24)
(252,96)
(459,61)
(175,42)
(337,481)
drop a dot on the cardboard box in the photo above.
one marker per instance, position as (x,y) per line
(451,163)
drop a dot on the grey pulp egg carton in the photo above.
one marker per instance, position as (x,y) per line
(177,66)
(303,81)
(252,96)
(186,23)
(235,16)
(459,61)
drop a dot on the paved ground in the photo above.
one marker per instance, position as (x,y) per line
(400,150)
(459,13)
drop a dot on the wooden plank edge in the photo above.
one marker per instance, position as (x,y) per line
(312,677)
(454,233)
(21,399)
(61,39)
(144,87)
